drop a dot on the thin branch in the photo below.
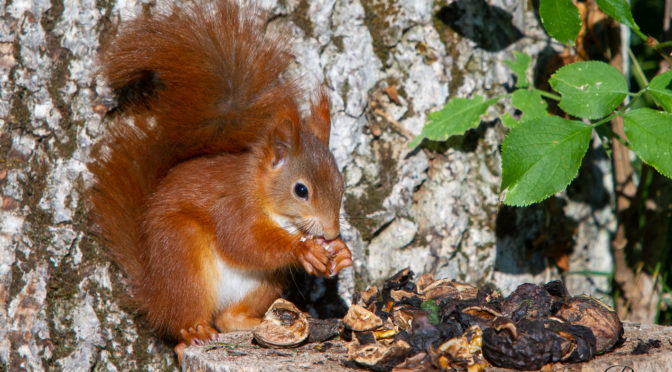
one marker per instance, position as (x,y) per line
(663,45)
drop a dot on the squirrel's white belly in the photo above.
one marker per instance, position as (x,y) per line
(234,284)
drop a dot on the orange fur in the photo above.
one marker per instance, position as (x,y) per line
(196,176)
(248,312)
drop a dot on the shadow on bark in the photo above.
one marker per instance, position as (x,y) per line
(531,238)
(490,27)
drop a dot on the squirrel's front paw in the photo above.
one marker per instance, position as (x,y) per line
(341,257)
(335,252)
(314,257)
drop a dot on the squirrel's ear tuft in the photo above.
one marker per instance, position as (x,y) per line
(284,140)
(319,122)
(285,133)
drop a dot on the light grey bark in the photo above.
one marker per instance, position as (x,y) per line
(435,208)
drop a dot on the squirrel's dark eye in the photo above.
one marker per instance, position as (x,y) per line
(301,190)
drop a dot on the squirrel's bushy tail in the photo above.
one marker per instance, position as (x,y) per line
(197,79)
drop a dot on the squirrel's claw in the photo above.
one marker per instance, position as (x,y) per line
(179,350)
(315,258)
(198,335)
(341,256)
(326,258)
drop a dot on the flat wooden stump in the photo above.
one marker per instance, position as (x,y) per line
(236,352)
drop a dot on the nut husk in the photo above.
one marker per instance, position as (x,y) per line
(437,324)
(527,301)
(414,363)
(530,347)
(600,318)
(535,342)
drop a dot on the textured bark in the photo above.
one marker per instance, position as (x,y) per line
(386,63)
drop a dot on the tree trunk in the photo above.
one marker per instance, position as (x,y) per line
(387,65)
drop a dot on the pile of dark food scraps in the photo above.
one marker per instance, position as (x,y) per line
(443,325)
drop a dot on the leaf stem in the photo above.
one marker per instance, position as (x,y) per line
(606,130)
(609,133)
(633,100)
(591,273)
(606,120)
(639,73)
(605,137)
(550,95)
(639,33)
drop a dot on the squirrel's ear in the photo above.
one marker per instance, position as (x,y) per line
(319,122)
(284,140)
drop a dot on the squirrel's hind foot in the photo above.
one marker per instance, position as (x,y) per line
(197,335)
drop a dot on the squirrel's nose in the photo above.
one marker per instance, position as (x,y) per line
(331,227)
(331,236)
(332,232)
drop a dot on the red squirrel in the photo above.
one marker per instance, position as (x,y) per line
(209,183)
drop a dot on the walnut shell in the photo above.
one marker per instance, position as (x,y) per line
(424,280)
(482,312)
(323,329)
(378,356)
(284,325)
(460,353)
(368,297)
(444,288)
(360,319)
(403,317)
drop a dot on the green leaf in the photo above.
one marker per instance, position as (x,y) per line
(661,90)
(519,66)
(541,157)
(432,310)
(590,89)
(650,135)
(530,103)
(509,121)
(561,19)
(459,115)
(618,10)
